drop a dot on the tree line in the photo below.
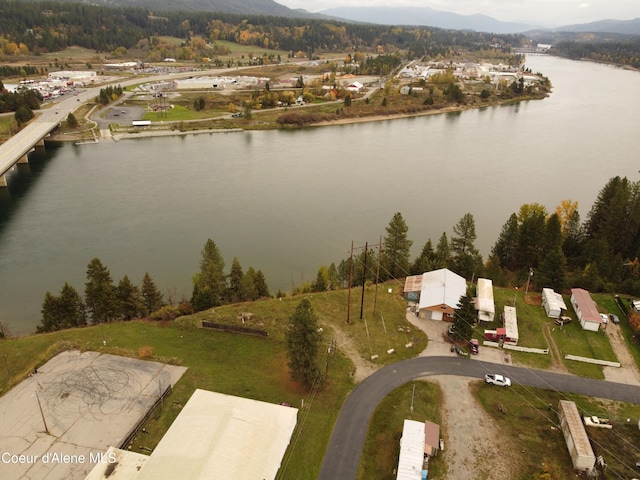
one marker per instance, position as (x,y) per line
(46,26)
(553,249)
(23,102)
(621,52)
(103,301)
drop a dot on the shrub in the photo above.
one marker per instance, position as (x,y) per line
(145,351)
(634,321)
(168,312)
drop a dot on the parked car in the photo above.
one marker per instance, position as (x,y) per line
(460,351)
(604,318)
(452,330)
(496,379)
(614,318)
(474,346)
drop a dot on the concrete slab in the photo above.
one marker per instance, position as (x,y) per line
(78,405)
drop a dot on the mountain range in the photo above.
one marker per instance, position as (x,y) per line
(415,16)
(426,16)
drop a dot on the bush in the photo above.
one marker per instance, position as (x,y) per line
(168,312)
(634,321)
(145,351)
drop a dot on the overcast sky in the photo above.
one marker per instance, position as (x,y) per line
(540,12)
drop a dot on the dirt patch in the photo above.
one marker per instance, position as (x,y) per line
(363,368)
(628,372)
(473,445)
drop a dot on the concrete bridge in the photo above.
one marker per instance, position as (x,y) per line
(17,148)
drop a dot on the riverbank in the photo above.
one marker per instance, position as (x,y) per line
(375,117)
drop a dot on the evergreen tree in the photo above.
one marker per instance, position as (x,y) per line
(72,121)
(553,233)
(260,282)
(465,316)
(505,249)
(464,236)
(72,308)
(50,310)
(425,261)
(99,292)
(303,345)
(129,299)
(334,281)
(552,272)
(248,292)
(396,247)
(322,280)
(443,252)
(532,218)
(235,279)
(151,297)
(209,283)
(467,260)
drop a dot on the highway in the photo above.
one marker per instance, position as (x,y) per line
(45,121)
(342,457)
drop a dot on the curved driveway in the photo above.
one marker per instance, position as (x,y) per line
(347,440)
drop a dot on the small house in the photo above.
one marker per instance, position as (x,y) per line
(553,303)
(585,309)
(508,333)
(576,437)
(484,300)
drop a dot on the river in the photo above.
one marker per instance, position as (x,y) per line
(288,202)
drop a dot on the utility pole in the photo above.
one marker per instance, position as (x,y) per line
(528,280)
(350,279)
(6,364)
(364,278)
(375,297)
(365,248)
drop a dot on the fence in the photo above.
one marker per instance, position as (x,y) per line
(592,360)
(136,428)
(234,329)
(517,348)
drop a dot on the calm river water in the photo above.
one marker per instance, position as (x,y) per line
(288,202)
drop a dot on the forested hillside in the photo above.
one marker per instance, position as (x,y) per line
(39,27)
(607,47)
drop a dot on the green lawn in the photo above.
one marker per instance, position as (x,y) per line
(247,366)
(382,445)
(538,446)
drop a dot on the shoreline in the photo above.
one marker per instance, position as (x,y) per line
(70,137)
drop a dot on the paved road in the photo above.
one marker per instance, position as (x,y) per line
(347,440)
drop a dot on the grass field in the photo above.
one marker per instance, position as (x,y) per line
(386,427)
(247,366)
(256,367)
(523,415)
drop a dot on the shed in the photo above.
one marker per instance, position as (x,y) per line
(431,438)
(576,437)
(553,303)
(585,309)
(484,300)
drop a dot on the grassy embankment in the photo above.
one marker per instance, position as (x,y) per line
(256,368)
(253,367)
